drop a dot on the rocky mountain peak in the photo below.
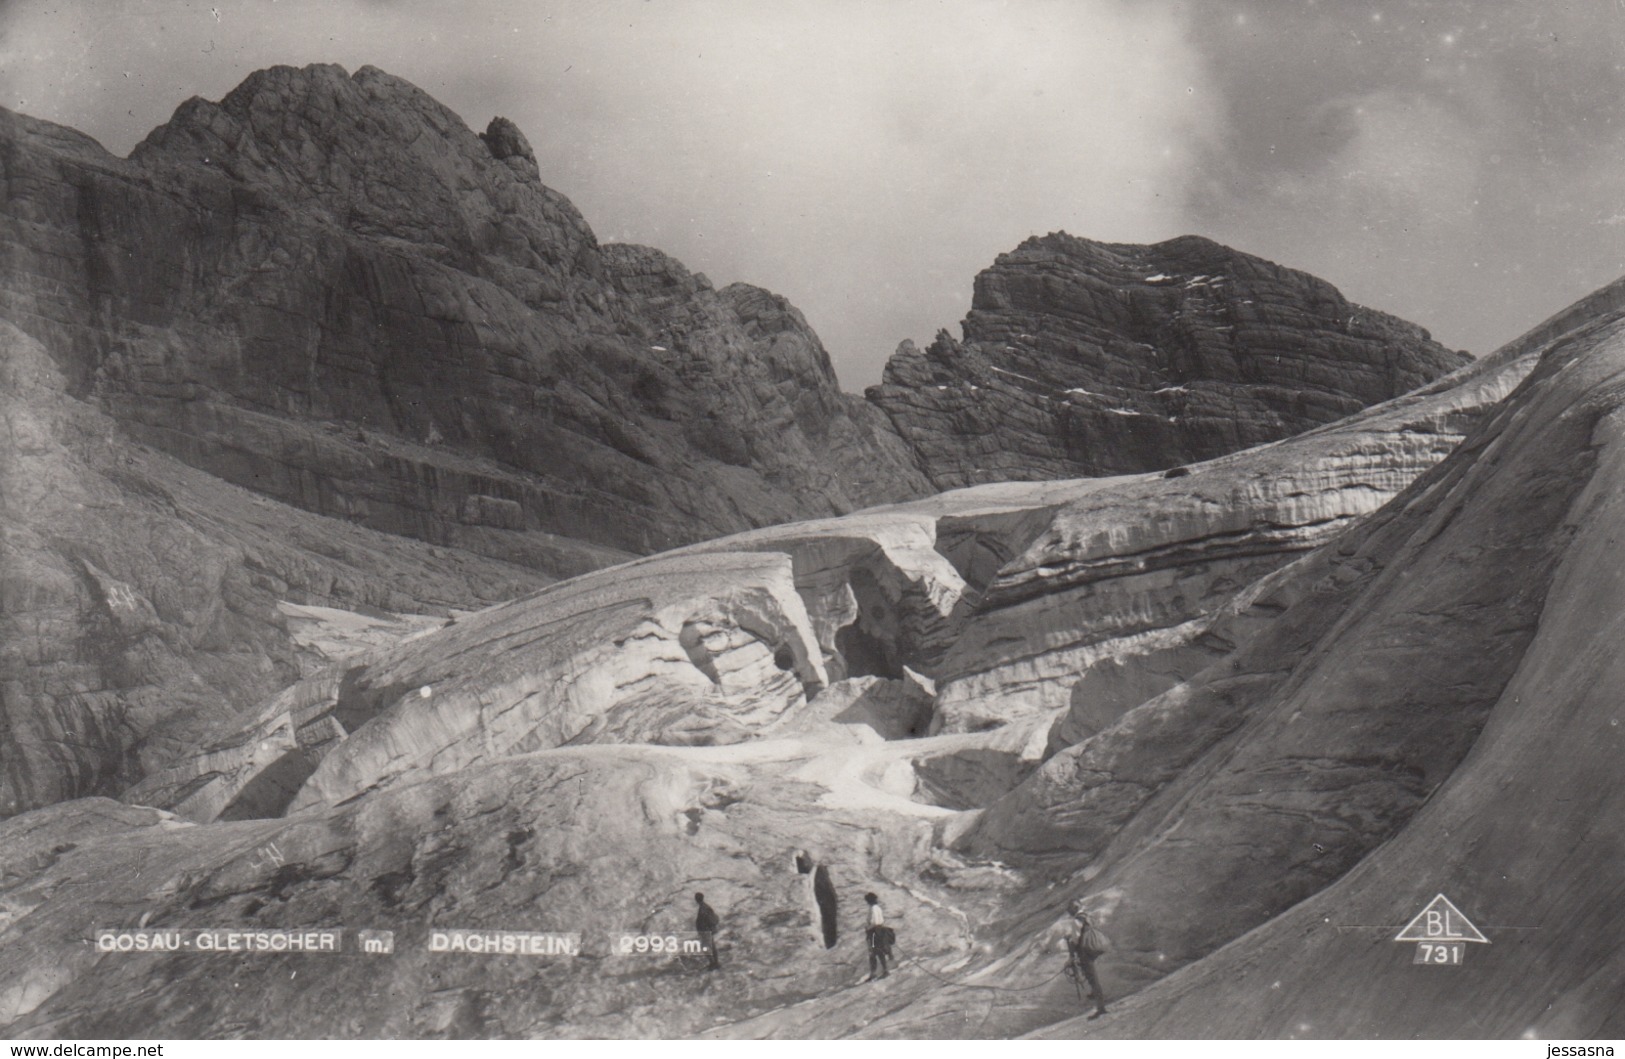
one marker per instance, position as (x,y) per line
(1086,358)
(393,320)
(505,140)
(375,154)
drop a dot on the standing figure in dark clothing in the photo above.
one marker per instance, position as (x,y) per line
(1089,945)
(706,923)
(879,937)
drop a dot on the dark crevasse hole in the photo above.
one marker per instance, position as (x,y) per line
(824,894)
(268,794)
(870,645)
(692,639)
(979,546)
(895,709)
(358,702)
(866,655)
(784,658)
(804,863)
(971,778)
(391,887)
(977,556)
(515,859)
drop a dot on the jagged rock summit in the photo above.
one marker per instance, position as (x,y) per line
(437,389)
(328,289)
(1086,358)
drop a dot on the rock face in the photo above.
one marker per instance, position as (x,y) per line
(327,289)
(566,841)
(141,599)
(1511,653)
(1085,358)
(1383,711)
(1155,573)
(778,632)
(1330,691)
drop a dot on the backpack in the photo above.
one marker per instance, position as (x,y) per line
(706,921)
(1094,943)
(883,939)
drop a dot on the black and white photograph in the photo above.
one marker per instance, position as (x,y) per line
(707,520)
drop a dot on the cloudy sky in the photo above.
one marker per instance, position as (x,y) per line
(1458,162)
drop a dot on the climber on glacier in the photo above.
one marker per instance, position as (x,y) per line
(706,922)
(879,937)
(1089,945)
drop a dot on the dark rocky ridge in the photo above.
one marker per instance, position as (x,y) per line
(328,289)
(141,599)
(1084,358)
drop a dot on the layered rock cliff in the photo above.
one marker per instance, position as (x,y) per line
(441,390)
(1085,358)
(142,600)
(327,289)
(1473,639)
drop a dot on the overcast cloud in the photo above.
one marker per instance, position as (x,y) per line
(1459,163)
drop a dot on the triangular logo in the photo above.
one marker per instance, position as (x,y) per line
(1441,921)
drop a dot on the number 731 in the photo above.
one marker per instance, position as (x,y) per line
(1437,952)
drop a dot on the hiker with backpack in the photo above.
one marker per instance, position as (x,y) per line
(879,936)
(1087,946)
